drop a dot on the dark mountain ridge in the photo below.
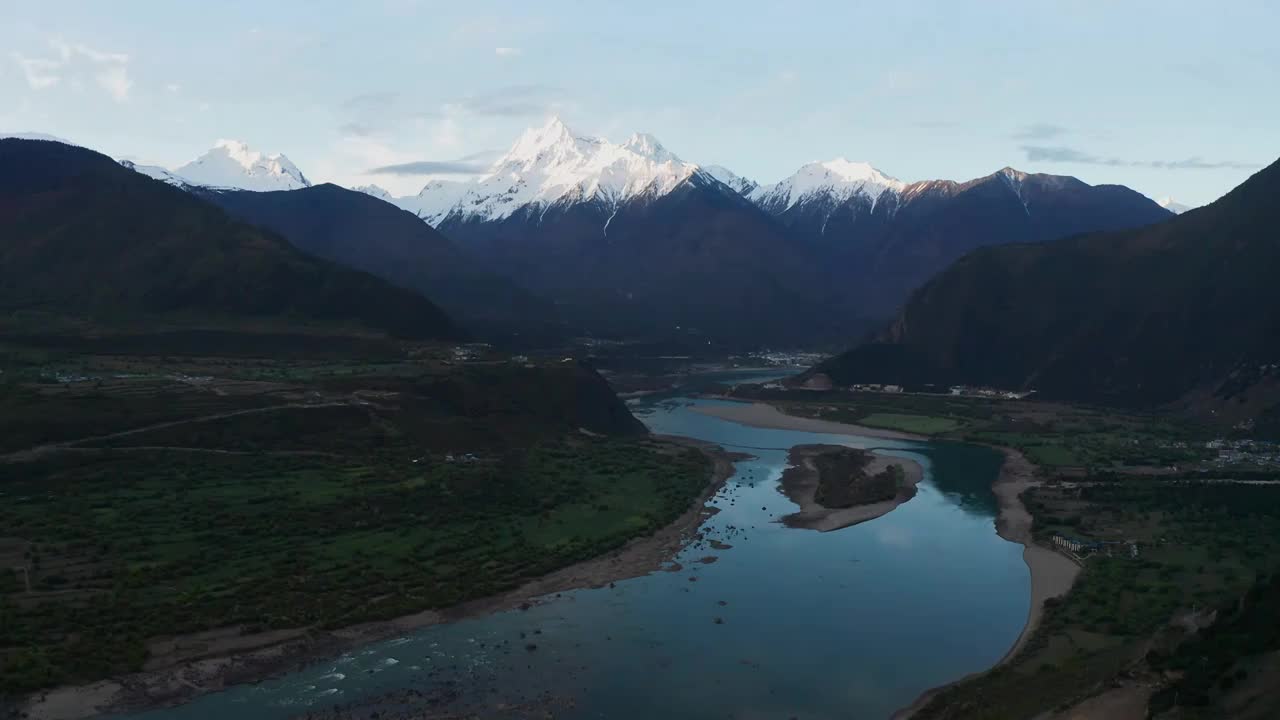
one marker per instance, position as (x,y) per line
(700,259)
(1138,317)
(706,260)
(882,249)
(86,238)
(365,233)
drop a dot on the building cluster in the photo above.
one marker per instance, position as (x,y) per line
(1245,452)
(470,351)
(985,392)
(1084,548)
(875,387)
(785,358)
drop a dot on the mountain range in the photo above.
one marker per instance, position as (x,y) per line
(593,224)
(1185,311)
(91,245)
(628,239)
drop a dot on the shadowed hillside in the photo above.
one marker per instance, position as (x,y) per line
(1138,317)
(87,239)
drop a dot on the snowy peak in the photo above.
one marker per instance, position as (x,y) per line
(553,164)
(833,180)
(739,184)
(374,190)
(552,143)
(647,146)
(1015,178)
(1172,205)
(35,136)
(157,173)
(232,164)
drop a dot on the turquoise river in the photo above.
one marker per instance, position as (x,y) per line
(786,623)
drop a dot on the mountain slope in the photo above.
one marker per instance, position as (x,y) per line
(86,237)
(232,164)
(1140,317)
(552,165)
(627,239)
(884,238)
(360,231)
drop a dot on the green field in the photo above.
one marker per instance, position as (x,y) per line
(140,505)
(1050,434)
(1201,546)
(919,424)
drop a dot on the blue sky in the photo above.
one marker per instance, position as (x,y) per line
(1171,98)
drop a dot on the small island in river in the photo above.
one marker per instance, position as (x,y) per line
(837,486)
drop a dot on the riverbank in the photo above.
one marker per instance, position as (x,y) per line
(184,668)
(800,484)
(1052,573)
(767,416)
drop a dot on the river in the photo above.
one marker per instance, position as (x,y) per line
(785,623)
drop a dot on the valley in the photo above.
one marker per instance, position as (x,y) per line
(379,361)
(1166,536)
(167,510)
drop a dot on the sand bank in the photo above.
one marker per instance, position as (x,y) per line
(767,416)
(800,484)
(1052,573)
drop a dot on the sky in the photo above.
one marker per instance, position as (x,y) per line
(1171,98)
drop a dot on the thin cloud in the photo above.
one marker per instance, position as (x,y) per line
(371,100)
(109,70)
(487,157)
(934,124)
(355,129)
(510,101)
(507,51)
(1039,131)
(431,167)
(1058,154)
(40,73)
(115,80)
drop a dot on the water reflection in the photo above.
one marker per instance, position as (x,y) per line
(782,623)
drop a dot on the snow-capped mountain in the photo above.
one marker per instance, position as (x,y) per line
(553,165)
(375,191)
(1172,205)
(833,182)
(158,173)
(232,164)
(35,136)
(739,184)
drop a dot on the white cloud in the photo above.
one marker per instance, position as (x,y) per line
(40,73)
(115,80)
(173,87)
(506,51)
(75,60)
(446,135)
